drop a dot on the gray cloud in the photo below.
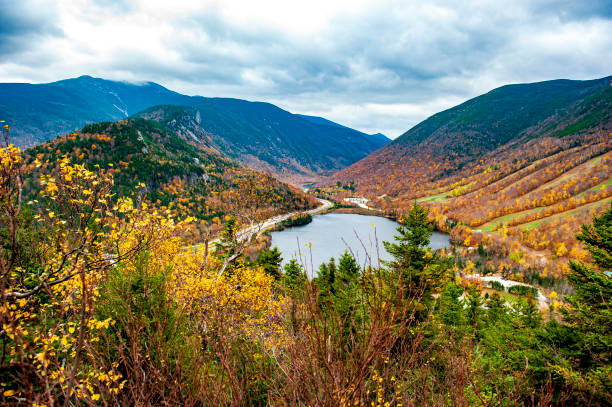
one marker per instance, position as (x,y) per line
(382,66)
(23,23)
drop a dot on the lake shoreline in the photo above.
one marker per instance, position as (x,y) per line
(329,236)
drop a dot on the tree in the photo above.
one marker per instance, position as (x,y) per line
(348,270)
(589,311)
(496,308)
(451,308)
(294,276)
(270,261)
(419,270)
(414,234)
(326,281)
(474,311)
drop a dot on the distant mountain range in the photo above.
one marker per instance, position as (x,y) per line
(260,135)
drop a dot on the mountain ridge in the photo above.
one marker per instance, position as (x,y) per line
(509,114)
(244,129)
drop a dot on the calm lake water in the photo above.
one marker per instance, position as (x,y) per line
(330,235)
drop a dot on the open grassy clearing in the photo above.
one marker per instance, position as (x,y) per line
(587,207)
(492,224)
(434,198)
(529,170)
(576,171)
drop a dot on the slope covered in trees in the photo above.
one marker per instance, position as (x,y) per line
(257,134)
(516,170)
(154,165)
(264,137)
(102,304)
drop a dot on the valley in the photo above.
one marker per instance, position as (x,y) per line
(466,231)
(314,204)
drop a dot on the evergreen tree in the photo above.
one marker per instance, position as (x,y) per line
(410,250)
(589,312)
(326,281)
(529,312)
(474,312)
(451,308)
(294,276)
(348,270)
(419,271)
(270,261)
(348,293)
(496,308)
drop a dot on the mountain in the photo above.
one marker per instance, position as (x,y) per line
(518,169)
(176,172)
(257,134)
(511,115)
(267,138)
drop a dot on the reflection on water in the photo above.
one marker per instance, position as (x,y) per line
(330,235)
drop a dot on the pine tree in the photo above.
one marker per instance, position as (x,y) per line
(414,234)
(474,312)
(294,276)
(270,261)
(451,308)
(589,312)
(419,270)
(496,308)
(348,270)
(326,281)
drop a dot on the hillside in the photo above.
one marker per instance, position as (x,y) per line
(518,169)
(153,164)
(267,138)
(443,144)
(259,135)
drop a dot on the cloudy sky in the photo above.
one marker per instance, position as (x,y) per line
(373,65)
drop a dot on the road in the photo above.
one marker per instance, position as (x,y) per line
(248,232)
(268,223)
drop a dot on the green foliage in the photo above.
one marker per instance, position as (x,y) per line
(326,281)
(270,261)
(512,111)
(590,314)
(419,271)
(496,285)
(294,276)
(149,330)
(451,308)
(523,290)
(175,172)
(474,313)
(298,220)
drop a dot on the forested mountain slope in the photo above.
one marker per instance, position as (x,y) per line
(258,134)
(154,165)
(265,137)
(518,169)
(442,145)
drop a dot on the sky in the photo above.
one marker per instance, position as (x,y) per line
(377,66)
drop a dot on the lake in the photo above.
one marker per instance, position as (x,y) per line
(330,235)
